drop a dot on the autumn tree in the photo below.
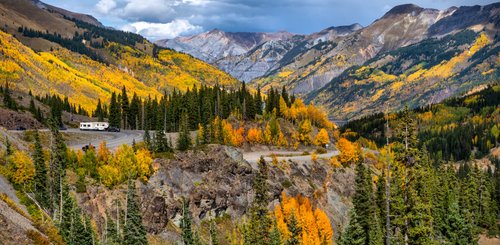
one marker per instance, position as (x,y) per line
(322,138)
(305,129)
(22,168)
(349,152)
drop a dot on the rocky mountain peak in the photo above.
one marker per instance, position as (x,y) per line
(404,9)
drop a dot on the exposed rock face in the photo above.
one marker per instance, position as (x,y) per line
(218,181)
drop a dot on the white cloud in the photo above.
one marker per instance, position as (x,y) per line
(155,31)
(148,10)
(104,6)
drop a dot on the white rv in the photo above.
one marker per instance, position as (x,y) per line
(97,126)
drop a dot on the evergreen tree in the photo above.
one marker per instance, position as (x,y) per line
(40,182)
(111,232)
(8,147)
(184,140)
(353,233)
(186,224)
(57,166)
(134,231)
(160,142)
(147,140)
(457,231)
(8,101)
(259,223)
(99,111)
(295,230)
(214,236)
(125,107)
(114,112)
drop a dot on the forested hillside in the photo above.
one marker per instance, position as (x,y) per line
(416,75)
(460,128)
(65,56)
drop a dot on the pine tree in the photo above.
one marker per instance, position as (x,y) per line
(353,233)
(125,107)
(57,167)
(111,233)
(214,236)
(160,142)
(147,140)
(295,230)
(40,182)
(8,147)
(275,235)
(259,223)
(186,224)
(8,101)
(134,230)
(457,231)
(364,204)
(184,140)
(114,112)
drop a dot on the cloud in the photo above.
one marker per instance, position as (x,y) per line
(155,31)
(148,10)
(104,6)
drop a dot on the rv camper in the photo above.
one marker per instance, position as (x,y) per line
(96,126)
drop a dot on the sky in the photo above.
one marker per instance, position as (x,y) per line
(160,19)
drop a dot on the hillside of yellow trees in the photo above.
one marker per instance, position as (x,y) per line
(51,52)
(419,74)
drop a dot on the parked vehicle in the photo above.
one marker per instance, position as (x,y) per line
(94,126)
(113,129)
(20,128)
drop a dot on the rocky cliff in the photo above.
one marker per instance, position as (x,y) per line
(218,182)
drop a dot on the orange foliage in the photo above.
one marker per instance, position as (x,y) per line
(315,225)
(254,136)
(233,137)
(322,138)
(349,152)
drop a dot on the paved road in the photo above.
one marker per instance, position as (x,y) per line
(113,139)
(296,156)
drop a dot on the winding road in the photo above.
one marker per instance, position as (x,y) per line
(115,139)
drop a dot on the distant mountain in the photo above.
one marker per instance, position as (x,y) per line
(247,55)
(320,66)
(47,49)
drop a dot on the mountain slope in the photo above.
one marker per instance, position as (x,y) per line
(45,50)
(423,73)
(251,55)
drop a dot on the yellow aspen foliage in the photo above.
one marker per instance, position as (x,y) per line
(103,153)
(349,152)
(268,138)
(23,169)
(254,136)
(282,140)
(305,129)
(109,175)
(314,157)
(201,133)
(284,108)
(144,162)
(314,223)
(233,137)
(334,162)
(125,160)
(322,138)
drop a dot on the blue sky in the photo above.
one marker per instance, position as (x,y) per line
(157,19)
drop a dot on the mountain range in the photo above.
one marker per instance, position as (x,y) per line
(45,49)
(316,66)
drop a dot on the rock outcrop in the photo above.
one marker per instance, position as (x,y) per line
(218,181)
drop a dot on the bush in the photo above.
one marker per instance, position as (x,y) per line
(321,150)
